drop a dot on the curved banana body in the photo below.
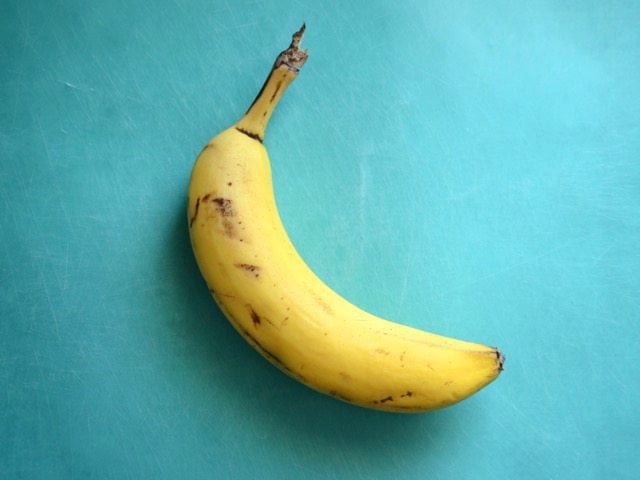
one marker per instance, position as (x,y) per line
(284,310)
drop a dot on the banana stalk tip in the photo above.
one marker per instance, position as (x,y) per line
(293,57)
(297,37)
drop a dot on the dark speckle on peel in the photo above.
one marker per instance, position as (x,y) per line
(249,268)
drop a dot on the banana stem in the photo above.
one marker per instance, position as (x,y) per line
(284,71)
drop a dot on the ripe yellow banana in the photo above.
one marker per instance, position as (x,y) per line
(283,309)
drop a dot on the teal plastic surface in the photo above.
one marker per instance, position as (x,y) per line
(471,168)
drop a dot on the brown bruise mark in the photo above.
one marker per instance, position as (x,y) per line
(249,268)
(229,231)
(229,184)
(195,213)
(345,377)
(381,351)
(224,206)
(408,394)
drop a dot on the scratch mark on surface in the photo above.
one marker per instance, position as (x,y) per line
(76,87)
(515,265)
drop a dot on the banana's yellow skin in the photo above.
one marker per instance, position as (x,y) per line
(284,310)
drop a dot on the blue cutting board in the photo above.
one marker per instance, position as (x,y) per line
(469,168)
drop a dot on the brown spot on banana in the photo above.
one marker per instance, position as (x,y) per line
(249,134)
(255,318)
(383,400)
(275,91)
(253,270)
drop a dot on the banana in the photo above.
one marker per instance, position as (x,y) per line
(279,305)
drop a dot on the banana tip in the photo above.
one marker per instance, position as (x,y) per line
(501,359)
